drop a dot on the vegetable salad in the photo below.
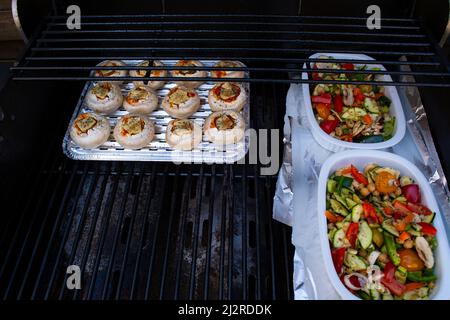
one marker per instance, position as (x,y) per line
(353,113)
(382,238)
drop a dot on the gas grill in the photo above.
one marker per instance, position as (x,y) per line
(157,230)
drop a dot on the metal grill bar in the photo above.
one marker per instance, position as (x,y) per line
(228,49)
(190,16)
(237,32)
(182,233)
(65,237)
(232,23)
(237,40)
(254,59)
(243,37)
(167,242)
(155,234)
(307,70)
(116,238)
(92,228)
(105,224)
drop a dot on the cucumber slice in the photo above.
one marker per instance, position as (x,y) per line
(348,218)
(363,295)
(411,295)
(357,212)
(387,296)
(389,227)
(401,199)
(356,198)
(375,295)
(377,237)
(340,199)
(350,203)
(331,234)
(338,239)
(405,180)
(353,114)
(354,262)
(429,218)
(346,192)
(338,207)
(415,233)
(364,235)
(331,185)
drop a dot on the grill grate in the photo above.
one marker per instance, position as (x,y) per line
(272,46)
(149,230)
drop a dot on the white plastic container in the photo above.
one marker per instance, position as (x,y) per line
(359,160)
(335,145)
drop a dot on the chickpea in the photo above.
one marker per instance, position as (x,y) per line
(376,193)
(371,187)
(362,253)
(408,244)
(364,192)
(383,258)
(398,192)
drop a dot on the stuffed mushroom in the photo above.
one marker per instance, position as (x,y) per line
(181,102)
(90,130)
(112,73)
(140,100)
(154,84)
(227,96)
(224,127)
(104,97)
(189,73)
(183,134)
(228,73)
(134,131)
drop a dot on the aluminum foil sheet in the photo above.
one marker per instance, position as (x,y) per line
(302,161)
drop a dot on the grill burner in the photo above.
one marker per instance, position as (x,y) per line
(150,230)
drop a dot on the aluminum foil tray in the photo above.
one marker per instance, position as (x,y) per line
(158,149)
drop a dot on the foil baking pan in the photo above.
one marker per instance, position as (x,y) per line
(158,149)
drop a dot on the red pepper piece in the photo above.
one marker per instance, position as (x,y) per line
(419,209)
(348,66)
(338,103)
(323,98)
(358,176)
(352,233)
(428,228)
(338,256)
(390,282)
(329,125)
